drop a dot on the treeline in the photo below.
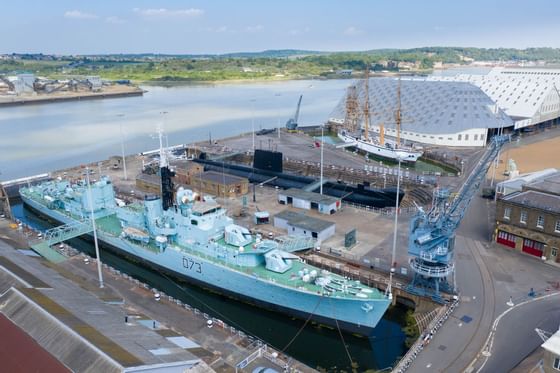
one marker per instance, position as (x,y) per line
(279,64)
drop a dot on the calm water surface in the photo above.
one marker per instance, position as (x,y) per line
(42,138)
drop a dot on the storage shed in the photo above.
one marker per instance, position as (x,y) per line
(298,224)
(309,200)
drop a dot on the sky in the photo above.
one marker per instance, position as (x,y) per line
(223,26)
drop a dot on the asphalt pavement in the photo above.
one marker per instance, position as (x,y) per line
(515,336)
(487,275)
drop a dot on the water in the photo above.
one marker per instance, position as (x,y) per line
(42,138)
(317,347)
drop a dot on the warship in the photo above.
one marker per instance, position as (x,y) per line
(192,238)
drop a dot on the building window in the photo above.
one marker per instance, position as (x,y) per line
(557,226)
(507,213)
(467,137)
(475,136)
(554,252)
(523,217)
(556,364)
(459,137)
(540,221)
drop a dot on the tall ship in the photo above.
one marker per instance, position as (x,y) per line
(377,146)
(192,238)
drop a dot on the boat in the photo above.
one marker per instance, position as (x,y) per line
(374,147)
(193,239)
(379,147)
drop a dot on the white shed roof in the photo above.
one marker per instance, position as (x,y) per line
(519,92)
(552,344)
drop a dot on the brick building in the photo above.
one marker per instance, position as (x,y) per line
(220,184)
(185,171)
(150,184)
(529,220)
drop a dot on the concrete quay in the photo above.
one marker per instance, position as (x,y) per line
(121,326)
(115,91)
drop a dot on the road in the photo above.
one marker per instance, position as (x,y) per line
(486,276)
(515,337)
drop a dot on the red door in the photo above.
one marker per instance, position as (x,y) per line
(533,247)
(506,239)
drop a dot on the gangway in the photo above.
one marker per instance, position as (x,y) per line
(59,234)
(432,234)
(346,145)
(292,243)
(314,185)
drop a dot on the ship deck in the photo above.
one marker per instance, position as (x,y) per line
(291,278)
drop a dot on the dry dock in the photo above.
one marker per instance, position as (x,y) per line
(120,326)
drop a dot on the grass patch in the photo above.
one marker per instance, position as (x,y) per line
(410,329)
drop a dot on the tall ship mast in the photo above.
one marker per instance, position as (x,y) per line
(379,146)
(366,105)
(398,114)
(352,114)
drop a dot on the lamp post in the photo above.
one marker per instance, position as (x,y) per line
(388,292)
(322,145)
(123,155)
(122,148)
(90,201)
(253,122)
(500,132)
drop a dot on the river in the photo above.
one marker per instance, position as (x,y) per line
(44,137)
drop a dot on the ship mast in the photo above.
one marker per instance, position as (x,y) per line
(366,104)
(382,134)
(162,155)
(166,175)
(398,115)
(351,118)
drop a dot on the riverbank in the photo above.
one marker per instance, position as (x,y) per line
(187,81)
(106,92)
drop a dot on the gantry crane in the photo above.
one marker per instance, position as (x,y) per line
(432,234)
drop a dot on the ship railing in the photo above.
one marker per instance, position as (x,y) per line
(430,255)
(290,243)
(424,339)
(442,270)
(386,211)
(262,351)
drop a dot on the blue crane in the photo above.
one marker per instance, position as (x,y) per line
(432,234)
(292,123)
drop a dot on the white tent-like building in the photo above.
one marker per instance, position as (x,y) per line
(530,96)
(434,112)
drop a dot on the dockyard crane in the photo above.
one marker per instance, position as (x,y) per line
(432,234)
(7,82)
(292,123)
